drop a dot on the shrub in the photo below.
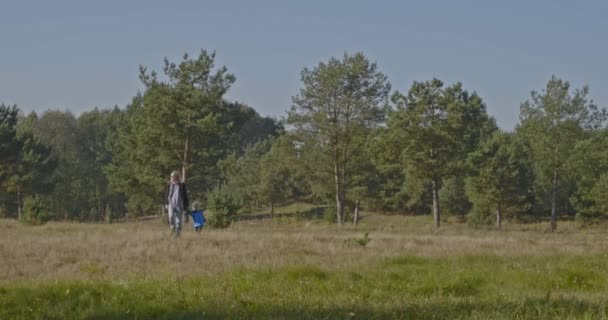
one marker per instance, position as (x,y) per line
(34,211)
(330,214)
(586,218)
(224,205)
(453,198)
(364,240)
(480,215)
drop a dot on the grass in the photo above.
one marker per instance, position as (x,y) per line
(302,269)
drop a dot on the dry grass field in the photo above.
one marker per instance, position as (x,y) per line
(296,268)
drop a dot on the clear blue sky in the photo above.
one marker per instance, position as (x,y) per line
(80,54)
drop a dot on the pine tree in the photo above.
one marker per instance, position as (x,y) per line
(340,102)
(504,179)
(435,128)
(553,121)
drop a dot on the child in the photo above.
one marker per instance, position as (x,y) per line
(198,219)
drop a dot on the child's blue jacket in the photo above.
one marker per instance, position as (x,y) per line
(198,218)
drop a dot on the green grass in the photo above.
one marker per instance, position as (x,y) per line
(465,287)
(297,267)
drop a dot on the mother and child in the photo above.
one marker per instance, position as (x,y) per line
(177,204)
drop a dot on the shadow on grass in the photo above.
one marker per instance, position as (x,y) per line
(524,309)
(100,303)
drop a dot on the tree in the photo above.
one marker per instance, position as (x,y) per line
(247,128)
(96,128)
(340,102)
(388,186)
(9,149)
(59,131)
(188,103)
(553,121)
(240,175)
(590,166)
(35,211)
(26,162)
(224,206)
(183,122)
(32,170)
(277,180)
(435,128)
(454,198)
(503,180)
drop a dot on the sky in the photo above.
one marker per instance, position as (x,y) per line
(77,55)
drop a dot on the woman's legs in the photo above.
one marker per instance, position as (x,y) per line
(178,221)
(171,218)
(175,219)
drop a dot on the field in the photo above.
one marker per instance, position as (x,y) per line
(291,268)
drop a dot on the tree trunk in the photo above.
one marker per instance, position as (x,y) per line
(498,217)
(435,186)
(186,150)
(339,200)
(271,210)
(101,207)
(356,220)
(339,209)
(343,178)
(185,161)
(108,213)
(19,203)
(554,200)
(184,174)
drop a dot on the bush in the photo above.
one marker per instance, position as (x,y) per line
(330,214)
(219,219)
(224,205)
(34,211)
(585,218)
(481,215)
(453,198)
(139,205)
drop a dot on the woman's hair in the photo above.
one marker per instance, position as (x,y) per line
(175,173)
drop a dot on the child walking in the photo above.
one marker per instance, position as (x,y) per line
(198,219)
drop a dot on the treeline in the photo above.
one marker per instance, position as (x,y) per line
(348,137)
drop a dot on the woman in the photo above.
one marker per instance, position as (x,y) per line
(177,201)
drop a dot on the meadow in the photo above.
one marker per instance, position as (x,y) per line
(388,267)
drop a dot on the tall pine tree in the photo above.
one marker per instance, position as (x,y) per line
(340,102)
(435,128)
(553,121)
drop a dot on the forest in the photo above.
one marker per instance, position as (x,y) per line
(348,140)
